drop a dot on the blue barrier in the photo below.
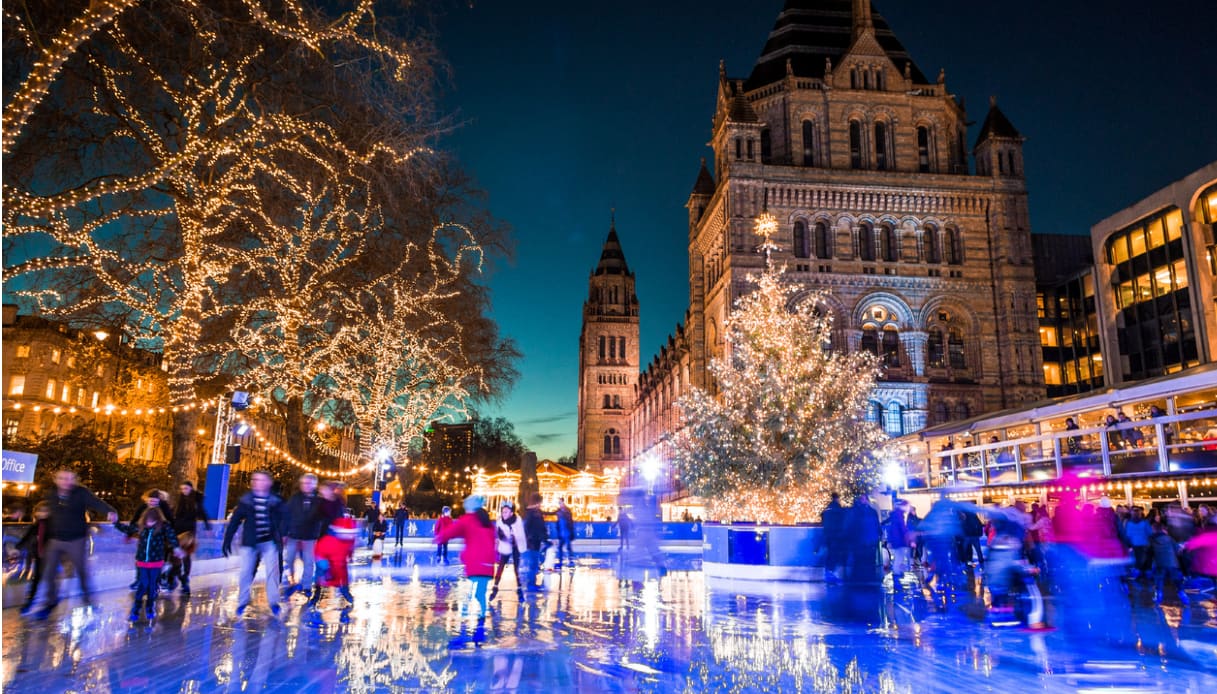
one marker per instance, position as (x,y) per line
(584,530)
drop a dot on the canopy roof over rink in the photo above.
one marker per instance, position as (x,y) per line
(590,497)
(1166,450)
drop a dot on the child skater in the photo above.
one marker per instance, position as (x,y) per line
(333,553)
(479,555)
(442,524)
(155,541)
(33,543)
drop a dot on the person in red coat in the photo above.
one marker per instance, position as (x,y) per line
(333,553)
(479,555)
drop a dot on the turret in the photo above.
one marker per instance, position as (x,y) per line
(703,190)
(999,147)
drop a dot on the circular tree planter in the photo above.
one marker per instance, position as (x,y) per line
(762,552)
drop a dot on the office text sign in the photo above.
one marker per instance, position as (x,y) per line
(19,467)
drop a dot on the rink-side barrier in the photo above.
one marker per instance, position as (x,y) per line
(758,552)
(112,554)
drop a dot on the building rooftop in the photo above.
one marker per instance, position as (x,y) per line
(809,32)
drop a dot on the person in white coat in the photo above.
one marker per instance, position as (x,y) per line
(509,532)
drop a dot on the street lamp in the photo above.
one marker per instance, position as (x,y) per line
(650,467)
(384,464)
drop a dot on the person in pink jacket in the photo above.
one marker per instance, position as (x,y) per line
(479,555)
(1204,550)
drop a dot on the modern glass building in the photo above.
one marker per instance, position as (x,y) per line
(1155,275)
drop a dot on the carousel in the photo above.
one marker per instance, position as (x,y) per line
(590,497)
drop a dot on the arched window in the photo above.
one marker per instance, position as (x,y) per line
(953,246)
(937,349)
(621,348)
(866,241)
(889,242)
(1010,162)
(933,251)
(801,249)
(855,144)
(612,348)
(882,160)
(616,445)
(809,143)
(941,412)
(874,412)
(608,442)
(956,350)
(962,411)
(870,339)
(617,402)
(766,146)
(893,419)
(890,347)
(606,402)
(823,241)
(923,149)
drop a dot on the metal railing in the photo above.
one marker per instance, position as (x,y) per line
(1180,443)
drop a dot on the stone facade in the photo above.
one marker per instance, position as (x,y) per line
(57,378)
(608,363)
(861,159)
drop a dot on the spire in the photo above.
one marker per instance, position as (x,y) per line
(862,17)
(612,258)
(705,182)
(997,125)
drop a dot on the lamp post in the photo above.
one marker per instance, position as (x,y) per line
(384,463)
(102,335)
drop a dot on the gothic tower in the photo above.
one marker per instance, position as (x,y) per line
(862,159)
(608,362)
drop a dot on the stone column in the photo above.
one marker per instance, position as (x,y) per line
(915,343)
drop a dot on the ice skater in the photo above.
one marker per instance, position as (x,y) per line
(155,541)
(479,554)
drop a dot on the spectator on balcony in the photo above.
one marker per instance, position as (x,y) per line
(1133,438)
(1073,444)
(1115,440)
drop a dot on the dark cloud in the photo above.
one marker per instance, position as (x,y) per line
(545,438)
(551,419)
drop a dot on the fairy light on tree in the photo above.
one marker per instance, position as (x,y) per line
(785,426)
(412,362)
(150,148)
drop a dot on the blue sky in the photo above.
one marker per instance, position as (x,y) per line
(569,109)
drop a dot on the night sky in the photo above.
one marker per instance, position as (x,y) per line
(572,108)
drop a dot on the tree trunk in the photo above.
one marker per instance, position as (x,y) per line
(296,430)
(181,465)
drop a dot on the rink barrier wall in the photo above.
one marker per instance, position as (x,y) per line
(112,555)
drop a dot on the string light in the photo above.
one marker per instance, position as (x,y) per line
(785,428)
(240,146)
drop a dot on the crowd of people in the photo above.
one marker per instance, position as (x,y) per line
(1019,552)
(301,544)
(304,544)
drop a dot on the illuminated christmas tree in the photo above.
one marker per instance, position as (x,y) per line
(784,425)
